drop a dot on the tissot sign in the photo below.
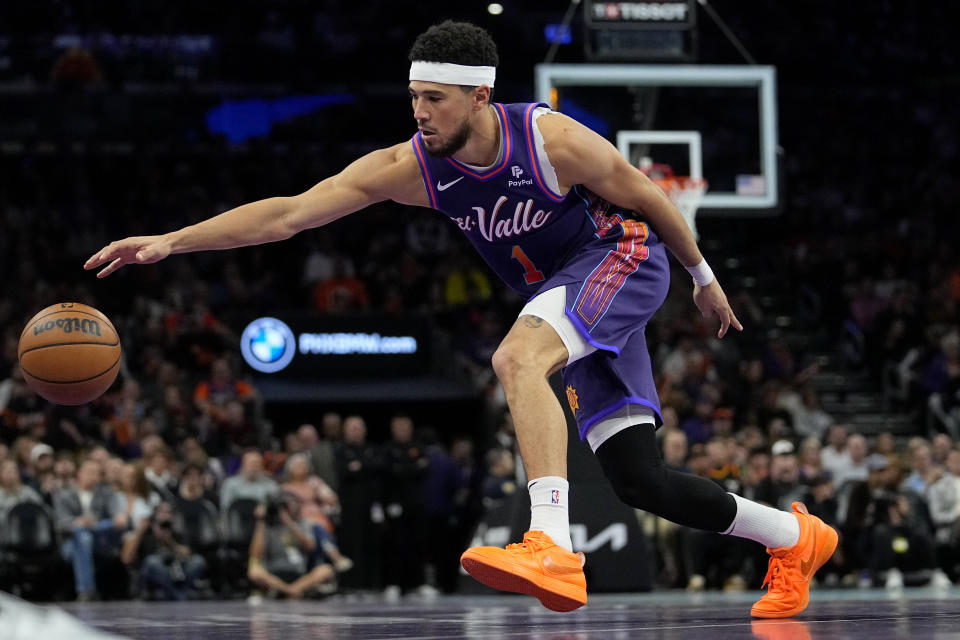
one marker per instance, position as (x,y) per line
(313,345)
(636,13)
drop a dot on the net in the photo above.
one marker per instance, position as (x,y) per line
(685,192)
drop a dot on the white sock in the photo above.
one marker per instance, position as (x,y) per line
(770,527)
(548,509)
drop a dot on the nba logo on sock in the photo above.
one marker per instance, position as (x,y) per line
(555,497)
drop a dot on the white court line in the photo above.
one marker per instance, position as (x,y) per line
(590,632)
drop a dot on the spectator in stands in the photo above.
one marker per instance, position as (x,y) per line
(169,569)
(159,472)
(468,503)
(136,498)
(321,453)
(860,495)
(359,467)
(698,426)
(196,515)
(342,291)
(940,449)
(783,486)
(943,497)
(923,470)
(282,545)
(173,416)
(755,471)
(822,500)
(405,466)
(672,541)
(723,470)
(88,519)
(21,412)
(113,473)
(192,491)
(441,485)
(809,419)
(223,403)
(42,477)
(101,456)
(835,456)
(810,461)
(274,461)
(721,422)
(465,282)
(500,480)
(318,502)
(941,381)
(900,542)
(213,476)
(319,506)
(123,424)
(12,491)
(675,449)
(885,444)
(854,467)
(64,470)
(252,482)
(41,462)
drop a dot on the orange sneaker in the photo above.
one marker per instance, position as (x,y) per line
(792,567)
(535,567)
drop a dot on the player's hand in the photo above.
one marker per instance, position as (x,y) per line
(711,300)
(136,250)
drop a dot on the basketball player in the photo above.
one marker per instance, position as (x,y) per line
(567,223)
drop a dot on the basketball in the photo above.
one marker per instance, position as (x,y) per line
(69,353)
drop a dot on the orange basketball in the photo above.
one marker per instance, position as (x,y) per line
(69,353)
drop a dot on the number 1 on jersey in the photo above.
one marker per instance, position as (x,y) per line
(531,274)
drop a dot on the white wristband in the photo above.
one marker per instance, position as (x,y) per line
(702,273)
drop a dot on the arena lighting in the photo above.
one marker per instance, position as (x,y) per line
(494,8)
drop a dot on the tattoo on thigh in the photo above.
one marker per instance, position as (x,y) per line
(533,322)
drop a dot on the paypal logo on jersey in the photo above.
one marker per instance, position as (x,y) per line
(267,344)
(517,171)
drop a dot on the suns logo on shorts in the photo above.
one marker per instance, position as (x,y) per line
(572,398)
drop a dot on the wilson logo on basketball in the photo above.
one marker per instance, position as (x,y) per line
(69,325)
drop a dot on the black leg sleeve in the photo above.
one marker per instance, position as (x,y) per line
(632,464)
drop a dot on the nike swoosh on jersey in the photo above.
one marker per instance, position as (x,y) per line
(444,187)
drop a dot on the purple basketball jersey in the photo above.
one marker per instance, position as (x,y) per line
(614,268)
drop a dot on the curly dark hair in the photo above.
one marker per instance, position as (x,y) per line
(455,43)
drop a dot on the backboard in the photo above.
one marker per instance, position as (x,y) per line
(718,121)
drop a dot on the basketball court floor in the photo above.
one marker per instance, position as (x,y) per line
(852,614)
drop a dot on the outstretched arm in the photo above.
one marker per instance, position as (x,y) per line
(386,174)
(581,156)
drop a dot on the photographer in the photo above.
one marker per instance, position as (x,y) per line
(282,543)
(894,533)
(169,570)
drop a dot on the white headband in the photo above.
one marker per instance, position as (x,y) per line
(446,73)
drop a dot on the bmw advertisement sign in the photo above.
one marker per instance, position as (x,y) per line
(306,345)
(268,345)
